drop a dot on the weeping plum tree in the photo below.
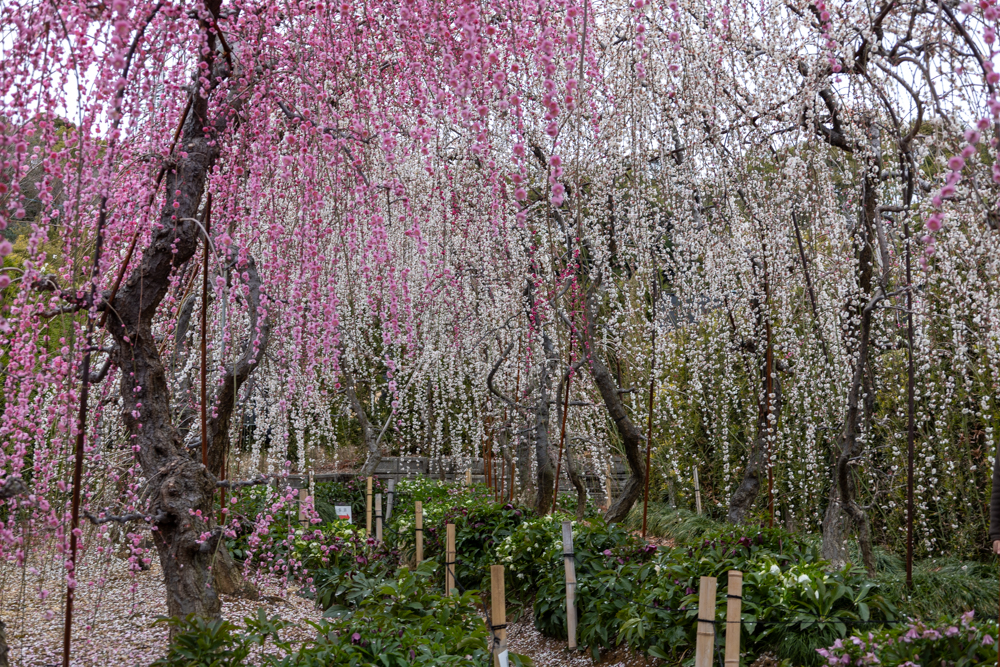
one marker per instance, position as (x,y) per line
(307,154)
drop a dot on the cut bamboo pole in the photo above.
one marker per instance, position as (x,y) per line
(418,509)
(468,477)
(498,615)
(449,559)
(368,507)
(697,492)
(378,517)
(390,499)
(303,494)
(570,562)
(734,607)
(706,623)
(607,481)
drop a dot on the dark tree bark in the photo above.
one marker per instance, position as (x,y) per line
(571,469)
(180,490)
(3,646)
(746,493)
(632,438)
(544,469)
(368,436)
(843,510)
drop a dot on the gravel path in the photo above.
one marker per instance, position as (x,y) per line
(114,614)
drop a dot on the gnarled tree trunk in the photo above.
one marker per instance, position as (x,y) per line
(843,510)
(632,438)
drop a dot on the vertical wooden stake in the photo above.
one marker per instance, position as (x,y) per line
(378,517)
(567,535)
(705,643)
(607,481)
(368,507)
(468,477)
(498,614)
(734,607)
(697,492)
(392,496)
(419,523)
(303,494)
(449,559)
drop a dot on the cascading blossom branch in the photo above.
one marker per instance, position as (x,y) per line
(341,164)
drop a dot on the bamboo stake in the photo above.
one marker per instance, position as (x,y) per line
(734,605)
(607,481)
(468,477)
(419,530)
(449,559)
(368,507)
(303,493)
(498,614)
(568,559)
(697,491)
(392,496)
(706,623)
(378,517)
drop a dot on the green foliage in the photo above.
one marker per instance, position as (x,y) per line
(950,644)
(942,587)
(679,524)
(404,620)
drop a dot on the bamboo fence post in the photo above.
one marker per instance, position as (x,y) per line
(419,530)
(303,493)
(607,481)
(734,606)
(368,507)
(499,616)
(468,477)
(449,559)
(697,491)
(391,498)
(705,643)
(378,517)
(568,560)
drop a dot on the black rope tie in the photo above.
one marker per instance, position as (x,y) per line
(502,626)
(569,555)
(735,597)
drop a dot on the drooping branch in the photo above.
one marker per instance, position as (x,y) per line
(236,374)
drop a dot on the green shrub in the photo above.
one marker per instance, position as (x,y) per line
(403,621)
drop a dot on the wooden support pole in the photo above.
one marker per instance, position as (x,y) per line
(449,559)
(734,607)
(705,642)
(378,517)
(607,481)
(468,477)
(498,615)
(368,507)
(570,562)
(697,492)
(389,500)
(303,494)
(418,510)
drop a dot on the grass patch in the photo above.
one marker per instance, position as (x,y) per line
(662,520)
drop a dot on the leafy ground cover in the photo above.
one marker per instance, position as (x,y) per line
(630,594)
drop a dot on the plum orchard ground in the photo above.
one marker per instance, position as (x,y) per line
(114,624)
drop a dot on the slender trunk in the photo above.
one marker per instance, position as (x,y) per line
(843,511)
(544,470)
(746,493)
(632,438)
(373,455)
(577,481)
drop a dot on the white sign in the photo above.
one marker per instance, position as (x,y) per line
(344,513)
